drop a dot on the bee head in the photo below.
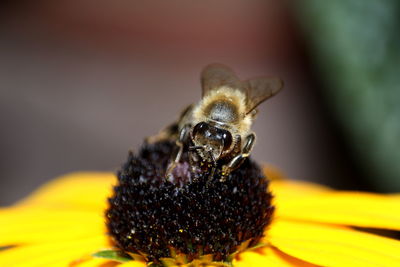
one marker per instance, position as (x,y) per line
(212,140)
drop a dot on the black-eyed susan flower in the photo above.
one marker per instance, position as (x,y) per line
(70,222)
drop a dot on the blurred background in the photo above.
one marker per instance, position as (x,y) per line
(82,82)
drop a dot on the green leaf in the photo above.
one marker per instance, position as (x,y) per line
(114,255)
(355,47)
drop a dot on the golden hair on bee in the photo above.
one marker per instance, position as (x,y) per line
(225,106)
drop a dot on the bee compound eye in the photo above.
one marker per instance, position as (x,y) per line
(201,128)
(227,139)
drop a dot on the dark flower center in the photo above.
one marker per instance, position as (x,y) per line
(195,214)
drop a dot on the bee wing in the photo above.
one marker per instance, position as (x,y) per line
(260,89)
(216,75)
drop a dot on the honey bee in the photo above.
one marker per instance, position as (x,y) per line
(218,128)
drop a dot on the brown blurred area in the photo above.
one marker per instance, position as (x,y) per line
(83,82)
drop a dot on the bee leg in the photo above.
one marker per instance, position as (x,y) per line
(239,159)
(176,157)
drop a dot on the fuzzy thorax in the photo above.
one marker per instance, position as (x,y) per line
(227,106)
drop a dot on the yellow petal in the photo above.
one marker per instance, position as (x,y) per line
(94,262)
(273,172)
(24,226)
(97,262)
(348,208)
(52,254)
(132,264)
(333,246)
(84,191)
(267,256)
(290,190)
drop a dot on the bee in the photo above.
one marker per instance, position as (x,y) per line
(218,127)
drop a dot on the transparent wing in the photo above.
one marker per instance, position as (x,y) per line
(216,75)
(260,89)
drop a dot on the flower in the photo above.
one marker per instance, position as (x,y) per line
(193,212)
(62,224)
